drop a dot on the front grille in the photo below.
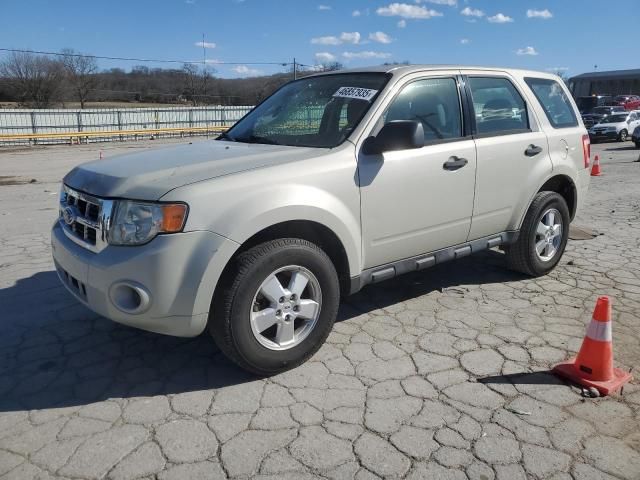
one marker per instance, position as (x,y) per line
(85,218)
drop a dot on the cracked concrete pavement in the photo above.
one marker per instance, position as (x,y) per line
(440,374)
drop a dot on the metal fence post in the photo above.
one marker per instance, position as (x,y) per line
(34,128)
(119,117)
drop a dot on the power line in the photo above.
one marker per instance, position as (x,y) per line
(150,60)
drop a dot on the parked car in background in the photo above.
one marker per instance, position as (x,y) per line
(629,102)
(586,104)
(615,127)
(598,114)
(333,182)
(635,137)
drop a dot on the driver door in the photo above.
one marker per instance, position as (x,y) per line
(413,202)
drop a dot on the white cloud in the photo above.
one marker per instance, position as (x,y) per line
(350,37)
(329,40)
(324,8)
(526,51)
(544,14)
(450,3)
(405,10)
(205,44)
(380,37)
(464,41)
(245,71)
(557,69)
(356,13)
(365,54)
(471,12)
(500,18)
(402,23)
(325,57)
(345,37)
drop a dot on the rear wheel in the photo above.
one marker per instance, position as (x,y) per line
(622,136)
(543,236)
(278,307)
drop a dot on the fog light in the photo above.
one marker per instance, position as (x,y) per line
(130,297)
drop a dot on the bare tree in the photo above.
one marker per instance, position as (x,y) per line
(35,79)
(81,72)
(196,82)
(191,82)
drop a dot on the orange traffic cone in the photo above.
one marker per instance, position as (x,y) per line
(595,170)
(593,367)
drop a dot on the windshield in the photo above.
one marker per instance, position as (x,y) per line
(313,112)
(614,119)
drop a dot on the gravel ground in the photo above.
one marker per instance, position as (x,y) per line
(438,375)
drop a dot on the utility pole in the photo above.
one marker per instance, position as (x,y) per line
(295,69)
(204,69)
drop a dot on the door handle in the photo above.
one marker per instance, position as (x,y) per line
(532,150)
(454,163)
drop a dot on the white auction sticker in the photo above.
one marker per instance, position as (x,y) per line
(356,92)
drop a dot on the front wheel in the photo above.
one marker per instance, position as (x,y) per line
(622,137)
(278,306)
(543,236)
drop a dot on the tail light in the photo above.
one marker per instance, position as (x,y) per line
(586,150)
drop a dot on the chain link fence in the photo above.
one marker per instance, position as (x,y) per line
(117,124)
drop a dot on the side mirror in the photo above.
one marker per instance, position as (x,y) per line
(395,135)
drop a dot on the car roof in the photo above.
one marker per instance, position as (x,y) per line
(406,69)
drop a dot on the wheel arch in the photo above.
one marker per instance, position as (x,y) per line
(312,231)
(566,188)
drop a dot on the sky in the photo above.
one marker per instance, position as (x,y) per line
(557,35)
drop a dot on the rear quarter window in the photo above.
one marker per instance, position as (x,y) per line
(557,107)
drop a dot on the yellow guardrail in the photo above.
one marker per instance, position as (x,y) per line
(111,133)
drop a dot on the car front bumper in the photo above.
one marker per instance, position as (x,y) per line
(603,136)
(152,287)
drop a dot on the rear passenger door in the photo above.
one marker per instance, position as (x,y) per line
(512,152)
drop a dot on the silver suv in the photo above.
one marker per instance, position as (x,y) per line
(333,182)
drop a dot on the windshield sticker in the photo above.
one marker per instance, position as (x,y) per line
(355,92)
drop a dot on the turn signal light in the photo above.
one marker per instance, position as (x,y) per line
(173,217)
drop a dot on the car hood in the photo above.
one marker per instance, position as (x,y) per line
(150,174)
(615,124)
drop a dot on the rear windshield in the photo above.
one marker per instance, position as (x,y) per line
(554,102)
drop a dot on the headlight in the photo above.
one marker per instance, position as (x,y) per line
(135,223)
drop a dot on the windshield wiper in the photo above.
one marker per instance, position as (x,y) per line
(257,139)
(226,136)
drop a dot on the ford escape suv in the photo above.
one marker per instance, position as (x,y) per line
(334,182)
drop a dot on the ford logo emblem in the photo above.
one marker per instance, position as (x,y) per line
(69,216)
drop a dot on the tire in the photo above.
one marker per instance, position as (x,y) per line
(523,256)
(244,298)
(622,136)
(637,144)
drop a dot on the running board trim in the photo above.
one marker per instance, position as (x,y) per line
(426,260)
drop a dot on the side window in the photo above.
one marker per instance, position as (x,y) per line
(555,103)
(434,102)
(498,106)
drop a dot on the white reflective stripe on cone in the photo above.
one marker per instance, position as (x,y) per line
(600,331)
